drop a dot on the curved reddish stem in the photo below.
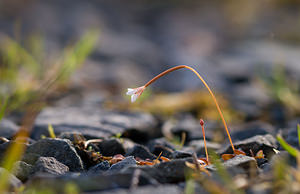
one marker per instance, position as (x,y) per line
(207,87)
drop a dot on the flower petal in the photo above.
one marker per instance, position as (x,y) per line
(134,97)
(130,91)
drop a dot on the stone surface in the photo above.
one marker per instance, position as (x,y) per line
(50,165)
(6,145)
(198,147)
(99,168)
(181,154)
(172,189)
(292,137)
(267,143)
(22,170)
(251,129)
(283,156)
(261,161)
(126,163)
(189,125)
(92,122)
(30,158)
(156,146)
(8,128)
(142,152)
(166,172)
(90,183)
(72,136)
(61,150)
(110,147)
(245,162)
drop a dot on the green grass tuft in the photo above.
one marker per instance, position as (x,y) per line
(291,150)
(51,131)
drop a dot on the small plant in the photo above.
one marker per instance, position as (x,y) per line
(282,88)
(3,108)
(286,178)
(27,75)
(137,92)
(290,149)
(28,82)
(51,131)
(204,139)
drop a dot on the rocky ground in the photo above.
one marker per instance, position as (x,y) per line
(116,152)
(102,144)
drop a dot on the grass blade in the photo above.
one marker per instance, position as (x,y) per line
(12,154)
(293,151)
(226,178)
(298,130)
(51,131)
(3,108)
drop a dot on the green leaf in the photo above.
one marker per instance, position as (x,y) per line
(298,130)
(3,108)
(291,150)
(51,131)
(189,187)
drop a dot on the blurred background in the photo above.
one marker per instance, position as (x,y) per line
(87,53)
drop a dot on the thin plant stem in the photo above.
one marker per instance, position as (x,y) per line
(207,87)
(204,139)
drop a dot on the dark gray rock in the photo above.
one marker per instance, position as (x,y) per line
(189,125)
(127,162)
(8,128)
(110,147)
(262,187)
(245,162)
(142,152)
(156,146)
(180,154)
(283,156)
(72,136)
(171,172)
(165,172)
(99,168)
(6,145)
(160,141)
(30,158)
(166,152)
(194,185)
(22,170)
(137,126)
(292,137)
(267,143)
(174,189)
(90,183)
(60,149)
(26,140)
(13,182)
(3,148)
(261,161)
(93,123)
(50,165)
(251,129)
(266,167)
(127,144)
(198,147)
(249,99)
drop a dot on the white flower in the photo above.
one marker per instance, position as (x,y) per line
(135,92)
